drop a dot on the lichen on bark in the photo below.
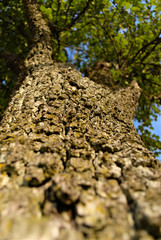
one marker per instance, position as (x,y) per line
(72,164)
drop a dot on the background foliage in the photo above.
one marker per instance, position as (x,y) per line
(125,33)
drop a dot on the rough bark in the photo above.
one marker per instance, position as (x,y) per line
(72,163)
(41,49)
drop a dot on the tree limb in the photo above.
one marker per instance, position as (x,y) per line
(37,24)
(112,40)
(41,50)
(77,18)
(148,52)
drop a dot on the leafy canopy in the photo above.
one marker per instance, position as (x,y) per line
(125,33)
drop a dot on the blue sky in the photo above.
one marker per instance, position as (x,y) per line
(157,129)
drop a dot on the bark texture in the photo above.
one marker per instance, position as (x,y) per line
(72,164)
(41,49)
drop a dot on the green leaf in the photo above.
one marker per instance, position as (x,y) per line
(127,5)
(135,9)
(43,8)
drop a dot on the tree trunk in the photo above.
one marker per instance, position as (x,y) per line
(72,164)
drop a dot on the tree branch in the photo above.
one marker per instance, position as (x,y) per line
(143,48)
(112,40)
(70,3)
(148,52)
(77,18)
